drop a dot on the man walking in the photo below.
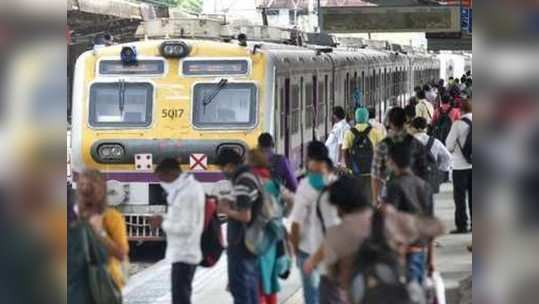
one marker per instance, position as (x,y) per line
(335,138)
(240,208)
(183,225)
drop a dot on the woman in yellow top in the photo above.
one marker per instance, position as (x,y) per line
(107,222)
(361,167)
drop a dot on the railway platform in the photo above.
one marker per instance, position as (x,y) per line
(152,285)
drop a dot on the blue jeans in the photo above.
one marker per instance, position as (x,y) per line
(415,266)
(310,282)
(242,275)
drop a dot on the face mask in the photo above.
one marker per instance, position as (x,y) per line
(317,181)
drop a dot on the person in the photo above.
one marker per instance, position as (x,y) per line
(240,207)
(410,112)
(462,84)
(397,133)
(412,101)
(272,263)
(417,89)
(108,223)
(393,103)
(439,152)
(462,170)
(450,81)
(308,225)
(183,225)
(409,193)
(424,108)
(355,155)
(336,136)
(343,241)
(374,122)
(279,165)
(443,118)
(430,93)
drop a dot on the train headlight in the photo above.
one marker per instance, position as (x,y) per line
(174,49)
(111,152)
(236,147)
(129,55)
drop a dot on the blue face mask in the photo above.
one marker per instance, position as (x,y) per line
(317,181)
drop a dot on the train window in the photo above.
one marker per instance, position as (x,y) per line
(283,113)
(321,103)
(210,67)
(143,67)
(309,108)
(294,108)
(121,104)
(233,105)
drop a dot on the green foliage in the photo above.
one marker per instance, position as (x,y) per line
(192,6)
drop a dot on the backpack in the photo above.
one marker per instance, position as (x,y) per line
(361,152)
(467,147)
(443,126)
(265,229)
(211,241)
(377,277)
(433,174)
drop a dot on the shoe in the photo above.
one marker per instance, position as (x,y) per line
(459,231)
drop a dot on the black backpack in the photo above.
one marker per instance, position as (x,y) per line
(433,174)
(211,241)
(443,126)
(361,152)
(377,274)
(467,147)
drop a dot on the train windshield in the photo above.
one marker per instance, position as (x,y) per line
(121,104)
(234,105)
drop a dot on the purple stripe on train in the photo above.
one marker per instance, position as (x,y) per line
(133,177)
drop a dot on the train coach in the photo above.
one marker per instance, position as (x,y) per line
(137,103)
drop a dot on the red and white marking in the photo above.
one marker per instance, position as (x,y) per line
(198,162)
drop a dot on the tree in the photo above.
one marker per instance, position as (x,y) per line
(191,6)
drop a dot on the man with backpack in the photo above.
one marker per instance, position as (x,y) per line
(397,133)
(358,149)
(279,165)
(438,157)
(183,225)
(411,194)
(311,216)
(241,206)
(459,143)
(443,118)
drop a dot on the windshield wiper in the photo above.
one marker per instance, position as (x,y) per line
(209,98)
(121,97)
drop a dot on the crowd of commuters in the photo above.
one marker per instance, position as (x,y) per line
(367,199)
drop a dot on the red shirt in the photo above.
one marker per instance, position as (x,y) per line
(454,113)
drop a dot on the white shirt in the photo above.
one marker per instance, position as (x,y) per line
(431,96)
(184,220)
(304,214)
(438,150)
(459,132)
(424,109)
(336,138)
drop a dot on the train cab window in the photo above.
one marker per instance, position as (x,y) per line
(228,105)
(121,104)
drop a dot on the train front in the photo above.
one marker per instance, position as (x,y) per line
(138,103)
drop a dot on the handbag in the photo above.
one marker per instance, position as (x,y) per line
(102,287)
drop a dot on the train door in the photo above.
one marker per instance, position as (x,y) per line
(301,122)
(285,113)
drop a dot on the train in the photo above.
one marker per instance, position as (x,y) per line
(137,103)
